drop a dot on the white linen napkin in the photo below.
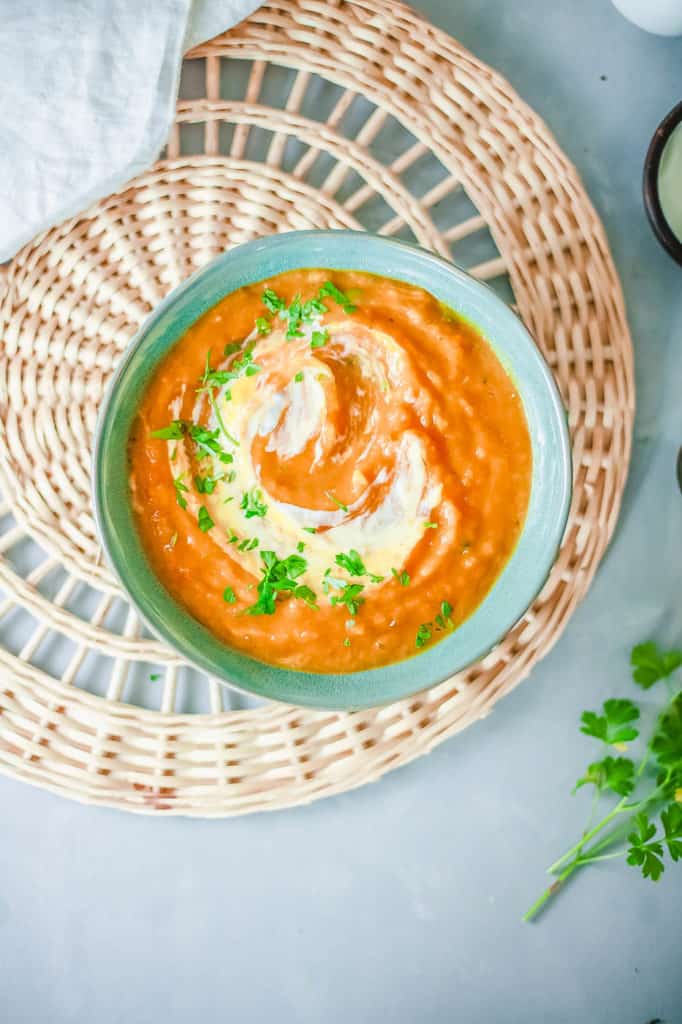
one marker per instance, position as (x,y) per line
(87,99)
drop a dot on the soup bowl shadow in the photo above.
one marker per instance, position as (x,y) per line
(524,574)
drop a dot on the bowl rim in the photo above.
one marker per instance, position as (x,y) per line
(192,653)
(652,203)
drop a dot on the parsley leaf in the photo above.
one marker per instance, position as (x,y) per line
(307,595)
(338,296)
(253,505)
(180,490)
(173,432)
(310,529)
(294,316)
(403,577)
(272,301)
(667,740)
(351,562)
(612,726)
(204,520)
(443,620)
(612,773)
(318,339)
(645,851)
(650,664)
(423,634)
(300,547)
(207,442)
(430,526)
(299,377)
(671,819)
(263,325)
(350,597)
(207,484)
(280,575)
(313,308)
(229,595)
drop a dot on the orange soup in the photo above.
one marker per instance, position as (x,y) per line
(330,470)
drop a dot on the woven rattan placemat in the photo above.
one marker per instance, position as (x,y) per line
(309,114)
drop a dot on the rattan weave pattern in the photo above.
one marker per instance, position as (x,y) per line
(311,113)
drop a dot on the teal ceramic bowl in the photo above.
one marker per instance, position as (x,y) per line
(537,547)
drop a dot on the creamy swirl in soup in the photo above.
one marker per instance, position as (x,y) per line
(329,470)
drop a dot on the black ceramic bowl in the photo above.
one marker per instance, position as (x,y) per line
(652,203)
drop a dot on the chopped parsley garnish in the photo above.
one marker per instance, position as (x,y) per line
(294,316)
(338,296)
(263,325)
(299,377)
(245,367)
(248,544)
(300,547)
(280,575)
(430,526)
(346,642)
(443,620)
(155,676)
(205,440)
(313,308)
(229,595)
(207,484)
(307,595)
(175,431)
(328,494)
(212,379)
(402,577)
(272,301)
(318,339)
(204,520)
(310,529)
(232,347)
(299,312)
(180,490)
(231,476)
(350,597)
(423,634)
(253,505)
(354,565)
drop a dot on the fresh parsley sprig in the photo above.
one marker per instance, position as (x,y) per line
(650,787)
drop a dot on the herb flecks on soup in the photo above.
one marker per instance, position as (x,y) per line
(330,470)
